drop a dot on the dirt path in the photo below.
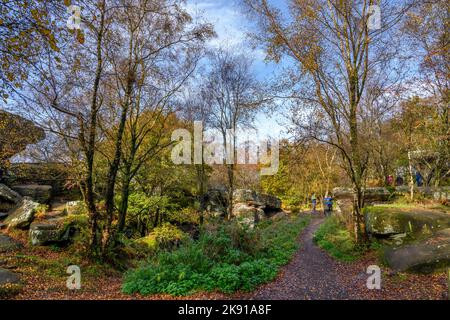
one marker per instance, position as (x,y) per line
(314,275)
(310,275)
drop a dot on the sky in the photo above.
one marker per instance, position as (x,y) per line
(232,27)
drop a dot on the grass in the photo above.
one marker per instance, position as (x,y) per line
(226,258)
(333,237)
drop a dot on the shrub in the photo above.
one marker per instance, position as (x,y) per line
(185,215)
(41,211)
(226,258)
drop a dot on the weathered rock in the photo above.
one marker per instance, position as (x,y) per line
(3,215)
(8,195)
(370,194)
(343,193)
(427,256)
(270,202)
(15,134)
(7,277)
(382,221)
(54,231)
(22,216)
(39,193)
(215,203)
(8,244)
(249,197)
(344,207)
(376,194)
(441,195)
(248,215)
(255,199)
(279,216)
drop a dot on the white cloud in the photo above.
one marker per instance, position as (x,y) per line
(229,23)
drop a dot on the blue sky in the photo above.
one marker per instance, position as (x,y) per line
(232,28)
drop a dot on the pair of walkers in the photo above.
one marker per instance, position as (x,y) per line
(327,202)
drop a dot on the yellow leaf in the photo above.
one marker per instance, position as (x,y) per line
(80,36)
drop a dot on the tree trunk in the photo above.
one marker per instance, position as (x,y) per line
(411,176)
(90,147)
(230,173)
(112,177)
(124,201)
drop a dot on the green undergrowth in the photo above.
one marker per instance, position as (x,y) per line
(226,258)
(333,237)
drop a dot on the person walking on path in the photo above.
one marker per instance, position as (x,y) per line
(419,179)
(314,202)
(328,205)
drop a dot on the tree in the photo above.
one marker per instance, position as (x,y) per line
(428,27)
(337,54)
(162,49)
(87,91)
(233,95)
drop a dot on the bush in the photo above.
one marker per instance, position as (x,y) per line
(166,236)
(185,215)
(226,258)
(333,237)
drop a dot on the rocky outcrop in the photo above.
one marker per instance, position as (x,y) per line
(8,244)
(9,195)
(427,256)
(250,207)
(252,198)
(39,193)
(279,216)
(384,221)
(8,198)
(22,216)
(270,202)
(370,194)
(59,231)
(215,203)
(247,214)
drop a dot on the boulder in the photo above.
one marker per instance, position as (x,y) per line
(342,193)
(279,216)
(384,221)
(8,244)
(425,257)
(39,193)
(370,194)
(54,231)
(255,199)
(8,195)
(377,195)
(344,207)
(247,215)
(7,277)
(441,195)
(215,203)
(22,216)
(270,202)
(249,197)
